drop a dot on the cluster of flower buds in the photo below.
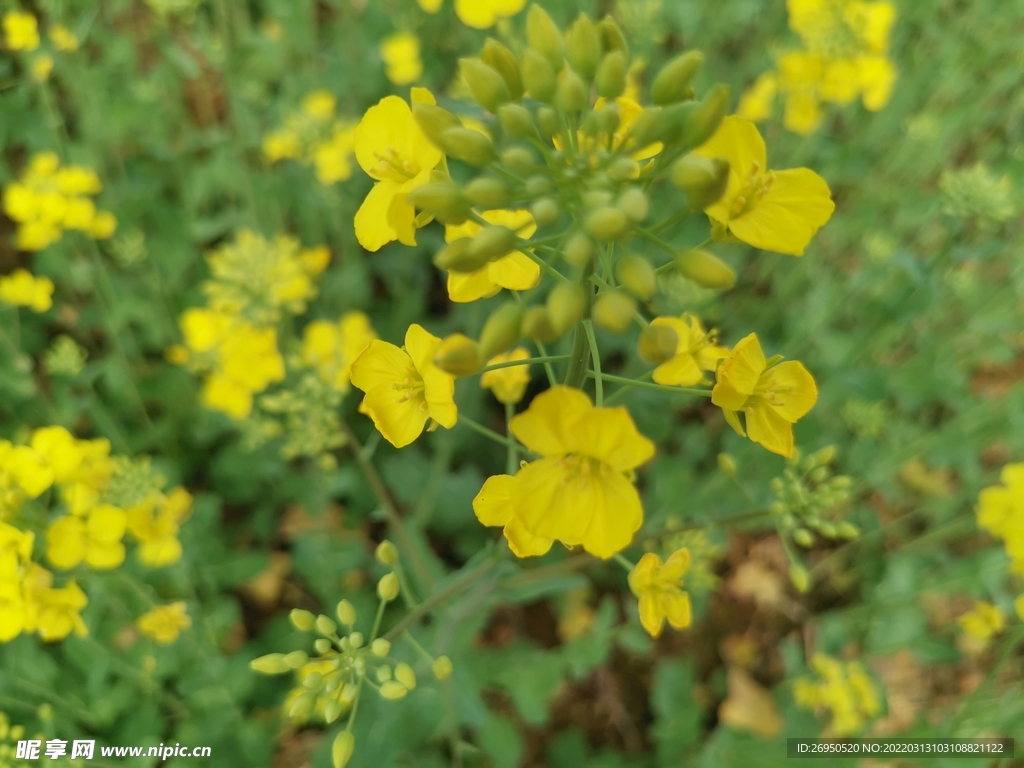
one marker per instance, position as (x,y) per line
(809,501)
(572,149)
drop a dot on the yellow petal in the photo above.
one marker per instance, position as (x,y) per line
(794,389)
(616,514)
(738,141)
(104,556)
(380,363)
(678,610)
(552,502)
(677,565)
(522,542)
(401,215)
(609,435)
(644,572)
(517,272)
(373,230)
(465,287)
(399,420)
(739,372)
(388,131)
(651,618)
(768,428)
(786,218)
(493,504)
(478,14)
(546,426)
(732,418)
(680,371)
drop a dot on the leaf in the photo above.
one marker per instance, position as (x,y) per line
(500,739)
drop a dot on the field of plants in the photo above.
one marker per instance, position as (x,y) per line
(568,383)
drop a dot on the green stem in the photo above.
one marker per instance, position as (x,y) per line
(488,433)
(624,562)
(659,387)
(579,353)
(552,379)
(528,361)
(595,357)
(512,460)
(416,644)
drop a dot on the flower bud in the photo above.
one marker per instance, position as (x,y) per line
(519,160)
(442,199)
(658,343)
(296,659)
(579,249)
(673,119)
(456,257)
(606,224)
(611,75)
(647,128)
(356,639)
(591,124)
(302,620)
(442,668)
(840,482)
(819,474)
(548,120)
(393,690)
(405,675)
(271,664)
(800,577)
(458,355)
(703,123)
(822,457)
(636,275)
(545,211)
(571,93)
(538,76)
(672,82)
(517,121)
(634,204)
(492,243)
(322,645)
(380,648)
(597,198)
(611,36)
(342,749)
(623,169)
(537,325)
(727,464)
(349,693)
(313,681)
(386,554)
(538,185)
(847,530)
(583,46)
(325,625)
(486,84)
(705,269)
(467,145)
(614,310)
(566,304)
(433,121)
(803,537)
(702,179)
(387,587)
(501,330)
(301,706)
(543,36)
(501,59)
(332,710)
(383,674)
(345,612)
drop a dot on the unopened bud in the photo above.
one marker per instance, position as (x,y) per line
(537,325)
(456,257)
(840,482)
(538,185)
(380,648)
(545,211)
(673,81)
(356,639)
(393,690)
(800,577)
(614,310)
(519,160)
(442,199)
(637,276)
(623,169)
(705,121)
(548,120)
(579,249)
(673,120)
(383,673)
(634,204)
(501,59)
(271,664)
(457,355)
(571,93)
(566,304)
(342,749)
(705,269)
(442,668)
(611,35)
(803,537)
(405,675)
(517,121)
(818,474)
(822,457)
(597,197)
(847,530)
(502,330)
(703,179)
(387,587)
(345,612)
(611,75)
(583,46)
(828,530)
(301,705)
(543,36)
(538,77)
(658,343)
(322,645)
(386,553)
(296,659)
(487,192)
(302,620)
(727,464)
(486,84)
(492,243)
(325,625)
(332,709)
(606,224)
(467,145)
(434,120)
(591,124)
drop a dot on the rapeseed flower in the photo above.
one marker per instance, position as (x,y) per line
(401,55)
(332,158)
(23,289)
(404,389)
(94,537)
(696,352)
(580,491)
(479,14)
(515,271)
(164,622)
(983,622)
(773,398)
(659,589)
(21,31)
(843,690)
(52,455)
(1001,512)
(53,612)
(63,38)
(508,385)
(329,348)
(313,136)
(155,522)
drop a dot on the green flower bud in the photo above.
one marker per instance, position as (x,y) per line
(386,554)
(538,76)
(442,668)
(800,577)
(543,36)
(332,710)
(703,122)
(847,530)
(566,304)
(828,530)
(342,749)
(579,249)
(822,457)
(538,185)
(610,117)
(591,124)
(468,145)
(393,690)
(657,343)
(486,84)
(673,81)
(803,537)
(549,123)
(597,198)
(611,75)
(296,659)
(345,612)
(383,674)
(405,675)
(302,620)
(614,311)
(777,508)
(611,35)
(387,587)
(458,355)
(647,128)
(545,211)
(519,160)
(776,485)
(501,59)
(673,120)
(819,473)
(583,46)
(488,193)
(571,93)
(623,169)
(606,224)
(313,681)
(301,706)
(517,121)
(443,199)
(788,521)
(325,625)
(322,645)
(703,179)
(705,269)
(456,257)
(380,648)
(349,692)
(502,330)
(271,664)
(634,204)
(537,325)
(433,121)
(492,243)
(727,464)
(840,482)
(636,275)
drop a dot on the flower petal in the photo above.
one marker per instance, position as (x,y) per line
(616,515)
(547,425)
(522,542)
(493,503)
(551,503)
(739,373)
(794,389)
(464,287)
(610,436)
(796,206)
(399,420)
(766,427)
(373,230)
(517,272)
(380,363)
(651,617)
(738,141)
(681,371)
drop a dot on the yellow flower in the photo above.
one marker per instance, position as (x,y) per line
(329,348)
(22,289)
(40,68)
(15,551)
(164,622)
(12,610)
(282,144)
(802,114)
(508,385)
(392,149)
(404,389)
(843,690)
(248,362)
(515,271)
(96,538)
(773,399)
(484,14)
(430,6)
(53,613)
(872,22)
(401,55)
(695,352)
(155,523)
(63,38)
(659,589)
(773,210)
(333,158)
(581,490)
(21,31)
(756,102)
(1001,513)
(983,621)
(319,105)
(877,77)
(52,455)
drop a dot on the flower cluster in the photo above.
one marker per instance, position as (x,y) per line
(49,199)
(164,622)
(983,622)
(809,499)
(844,690)
(23,289)
(21,33)
(844,55)
(314,136)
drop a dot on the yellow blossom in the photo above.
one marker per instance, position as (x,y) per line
(21,33)
(484,14)
(843,690)
(329,348)
(282,144)
(15,551)
(404,389)
(401,55)
(63,38)
(333,158)
(515,271)
(581,490)
(155,522)
(773,210)
(164,622)
(756,102)
(430,6)
(802,113)
(773,398)
(22,289)
(53,612)
(983,621)
(391,148)
(508,385)
(94,538)
(52,455)
(659,589)
(319,105)
(12,609)
(41,67)
(1001,512)
(696,352)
